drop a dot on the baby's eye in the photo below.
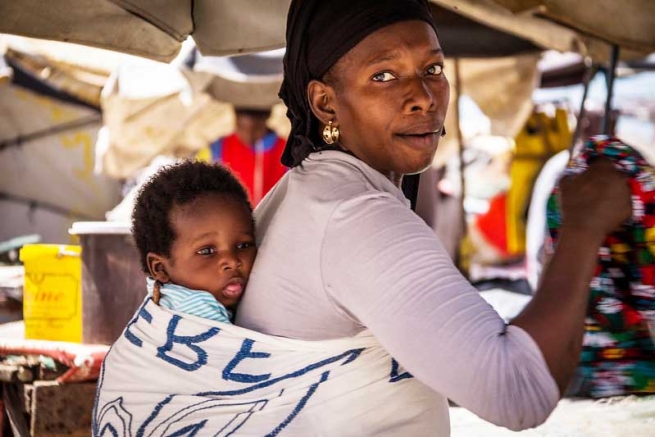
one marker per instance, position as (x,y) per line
(385,76)
(434,70)
(206,251)
(246,245)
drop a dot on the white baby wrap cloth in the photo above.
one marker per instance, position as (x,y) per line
(172,374)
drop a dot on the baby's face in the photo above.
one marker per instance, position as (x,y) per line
(214,247)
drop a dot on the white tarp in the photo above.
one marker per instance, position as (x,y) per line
(48,181)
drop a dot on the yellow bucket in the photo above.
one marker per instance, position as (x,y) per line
(52,294)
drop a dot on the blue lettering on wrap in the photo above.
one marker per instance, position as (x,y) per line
(189,431)
(188,341)
(244,353)
(136,341)
(394,376)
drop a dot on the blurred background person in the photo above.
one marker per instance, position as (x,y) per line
(252,151)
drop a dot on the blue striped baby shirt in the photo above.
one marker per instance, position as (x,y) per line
(194,302)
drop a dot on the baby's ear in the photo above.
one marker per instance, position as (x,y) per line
(157,267)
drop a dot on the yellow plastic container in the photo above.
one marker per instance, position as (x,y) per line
(52,294)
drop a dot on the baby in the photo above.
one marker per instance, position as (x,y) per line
(195,233)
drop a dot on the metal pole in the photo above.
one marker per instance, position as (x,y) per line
(460,140)
(611,74)
(462,179)
(588,76)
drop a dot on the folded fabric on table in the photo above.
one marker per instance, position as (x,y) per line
(176,374)
(601,379)
(601,344)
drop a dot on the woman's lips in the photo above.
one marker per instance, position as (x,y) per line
(424,140)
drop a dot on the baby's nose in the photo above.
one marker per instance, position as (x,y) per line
(229,260)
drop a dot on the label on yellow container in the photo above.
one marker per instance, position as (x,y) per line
(52,294)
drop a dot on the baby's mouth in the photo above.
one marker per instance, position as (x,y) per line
(234,288)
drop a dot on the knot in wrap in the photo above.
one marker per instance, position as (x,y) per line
(319,33)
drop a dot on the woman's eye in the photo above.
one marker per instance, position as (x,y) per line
(435,70)
(383,77)
(206,251)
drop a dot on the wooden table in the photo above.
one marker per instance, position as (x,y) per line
(34,404)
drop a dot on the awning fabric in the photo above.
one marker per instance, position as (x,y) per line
(153,29)
(156,28)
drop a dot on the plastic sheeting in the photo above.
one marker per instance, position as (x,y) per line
(584,27)
(46,166)
(152,28)
(156,28)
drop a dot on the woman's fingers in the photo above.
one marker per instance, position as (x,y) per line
(596,200)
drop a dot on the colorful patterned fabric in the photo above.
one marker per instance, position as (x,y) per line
(618,355)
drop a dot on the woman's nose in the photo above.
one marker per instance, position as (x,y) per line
(420,96)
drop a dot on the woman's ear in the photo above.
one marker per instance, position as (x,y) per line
(157,267)
(321,99)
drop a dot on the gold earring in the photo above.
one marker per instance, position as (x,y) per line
(330,133)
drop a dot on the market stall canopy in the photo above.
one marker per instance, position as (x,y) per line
(55,79)
(249,82)
(153,29)
(589,28)
(48,127)
(464,37)
(156,28)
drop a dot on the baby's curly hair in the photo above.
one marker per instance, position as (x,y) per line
(175,185)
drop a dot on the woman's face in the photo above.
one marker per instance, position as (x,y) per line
(390,98)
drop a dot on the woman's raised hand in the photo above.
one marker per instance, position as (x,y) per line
(595,201)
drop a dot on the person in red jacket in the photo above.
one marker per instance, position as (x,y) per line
(252,152)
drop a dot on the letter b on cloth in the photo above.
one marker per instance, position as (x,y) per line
(190,341)
(244,353)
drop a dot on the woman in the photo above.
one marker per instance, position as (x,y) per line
(341,252)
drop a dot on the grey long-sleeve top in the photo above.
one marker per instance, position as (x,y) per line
(341,251)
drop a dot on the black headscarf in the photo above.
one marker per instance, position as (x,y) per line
(319,33)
